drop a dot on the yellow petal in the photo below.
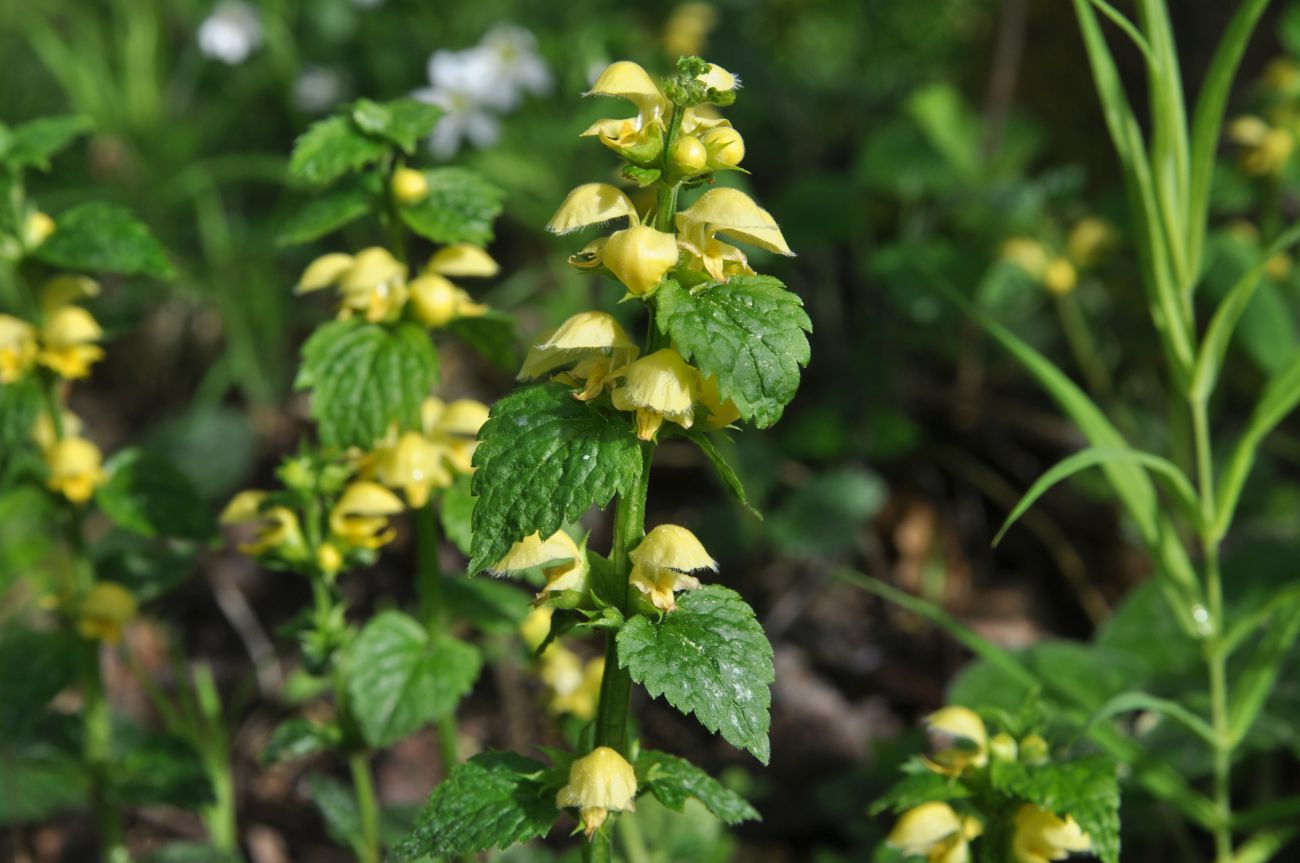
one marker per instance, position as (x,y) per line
(533,551)
(730,211)
(75,469)
(69,326)
(18,348)
(591,204)
(588,331)
(672,547)
(462,417)
(106,607)
(244,507)
(462,259)
(661,382)
(373,266)
(64,289)
(1041,836)
(599,783)
(717,78)
(640,257)
(323,272)
(363,498)
(921,828)
(627,80)
(438,302)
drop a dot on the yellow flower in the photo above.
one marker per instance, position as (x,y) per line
(76,468)
(725,147)
(437,301)
(640,257)
(591,204)
(372,283)
(658,387)
(1029,255)
(17,348)
(37,229)
(1265,149)
(46,435)
(278,530)
(360,517)
(329,558)
(935,831)
(536,626)
(563,561)
(1089,240)
(68,339)
(717,78)
(416,462)
(409,186)
(1040,836)
(599,783)
(727,211)
(721,413)
(661,564)
(575,687)
(65,289)
(967,729)
(638,138)
(687,28)
(592,340)
(104,611)
(1060,277)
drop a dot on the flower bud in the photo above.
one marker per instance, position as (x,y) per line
(1003,747)
(689,155)
(598,784)
(725,146)
(409,186)
(640,257)
(1060,277)
(106,608)
(37,229)
(1034,749)
(329,558)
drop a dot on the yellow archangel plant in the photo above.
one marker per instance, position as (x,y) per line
(716,344)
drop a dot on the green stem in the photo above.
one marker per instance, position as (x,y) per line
(616,683)
(1084,347)
(633,841)
(1216,656)
(367,806)
(428,580)
(97,745)
(669,185)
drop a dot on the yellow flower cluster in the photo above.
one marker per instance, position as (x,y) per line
(66,341)
(417,462)
(376,286)
(1085,246)
(75,464)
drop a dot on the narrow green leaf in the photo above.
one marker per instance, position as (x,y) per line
(710,657)
(459,208)
(327,212)
(103,238)
(672,780)
(730,481)
(543,460)
(1277,401)
(1127,702)
(1214,347)
(146,494)
(366,377)
(333,148)
(1092,457)
(400,678)
(1265,845)
(494,800)
(750,333)
(1253,683)
(1130,30)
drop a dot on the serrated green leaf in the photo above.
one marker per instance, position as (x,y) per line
(749,332)
(399,678)
(543,460)
(365,377)
(672,780)
(39,779)
(104,238)
(494,800)
(333,148)
(459,208)
(917,788)
(327,212)
(492,336)
(146,494)
(709,657)
(402,122)
(455,509)
(492,606)
(730,480)
(338,807)
(1087,788)
(34,667)
(298,737)
(150,769)
(34,143)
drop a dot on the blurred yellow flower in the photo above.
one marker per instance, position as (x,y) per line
(574,686)
(17,348)
(278,530)
(417,462)
(37,228)
(663,561)
(409,186)
(76,468)
(372,283)
(970,736)
(1265,149)
(599,783)
(436,300)
(68,342)
(104,611)
(360,516)
(936,832)
(687,29)
(1041,836)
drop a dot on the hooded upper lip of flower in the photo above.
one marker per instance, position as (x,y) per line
(564,561)
(628,80)
(1041,836)
(731,212)
(935,830)
(661,564)
(966,727)
(586,334)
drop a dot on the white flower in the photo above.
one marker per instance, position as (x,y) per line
(518,65)
(317,89)
(462,84)
(231,32)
